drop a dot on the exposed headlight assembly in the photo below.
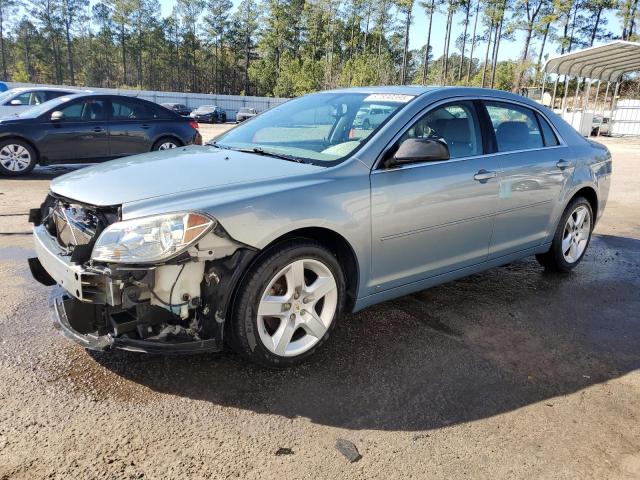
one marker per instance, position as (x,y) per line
(151,239)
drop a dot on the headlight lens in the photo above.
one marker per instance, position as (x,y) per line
(150,239)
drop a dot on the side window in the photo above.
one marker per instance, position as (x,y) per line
(87,110)
(37,98)
(516,127)
(50,95)
(549,136)
(456,124)
(125,109)
(25,99)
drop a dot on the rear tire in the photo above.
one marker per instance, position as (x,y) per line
(166,143)
(17,158)
(571,239)
(287,304)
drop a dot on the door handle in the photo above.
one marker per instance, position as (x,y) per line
(146,126)
(562,164)
(483,175)
(98,129)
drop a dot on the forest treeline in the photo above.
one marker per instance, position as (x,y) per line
(291,47)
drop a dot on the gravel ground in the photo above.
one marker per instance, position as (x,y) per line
(512,373)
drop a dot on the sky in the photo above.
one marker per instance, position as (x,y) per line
(418,33)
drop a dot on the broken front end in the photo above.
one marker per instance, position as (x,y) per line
(162,283)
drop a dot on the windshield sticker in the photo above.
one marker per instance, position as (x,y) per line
(389,97)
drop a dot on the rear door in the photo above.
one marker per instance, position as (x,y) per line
(130,127)
(535,167)
(81,134)
(434,217)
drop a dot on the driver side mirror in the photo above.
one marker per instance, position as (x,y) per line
(57,116)
(414,150)
(15,102)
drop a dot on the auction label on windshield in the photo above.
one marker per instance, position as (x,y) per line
(388,97)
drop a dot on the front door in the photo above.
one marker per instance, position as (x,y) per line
(434,217)
(80,135)
(535,168)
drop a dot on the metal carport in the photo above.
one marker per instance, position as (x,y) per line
(604,63)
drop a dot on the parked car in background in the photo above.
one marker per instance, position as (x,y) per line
(600,124)
(209,114)
(261,239)
(17,100)
(89,127)
(179,108)
(370,117)
(245,114)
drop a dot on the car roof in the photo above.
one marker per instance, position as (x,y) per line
(414,90)
(46,89)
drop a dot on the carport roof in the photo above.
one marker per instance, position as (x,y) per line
(604,62)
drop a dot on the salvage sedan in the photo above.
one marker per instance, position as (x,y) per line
(261,239)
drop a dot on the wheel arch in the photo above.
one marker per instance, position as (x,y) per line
(591,195)
(163,136)
(340,247)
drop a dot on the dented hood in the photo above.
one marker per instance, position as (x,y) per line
(168,172)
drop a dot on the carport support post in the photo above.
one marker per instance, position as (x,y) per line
(613,103)
(604,104)
(544,80)
(564,96)
(575,101)
(555,89)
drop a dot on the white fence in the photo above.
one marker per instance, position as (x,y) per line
(230,103)
(625,120)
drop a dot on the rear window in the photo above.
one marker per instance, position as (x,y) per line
(548,135)
(515,127)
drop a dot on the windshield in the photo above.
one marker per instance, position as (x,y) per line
(46,106)
(322,128)
(205,109)
(4,96)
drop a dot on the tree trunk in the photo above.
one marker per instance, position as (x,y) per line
(405,59)
(544,41)
(473,43)
(464,38)
(445,59)
(124,54)
(425,66)
(594,32)
(72,76)
(496,46)
(2,52)
(486,55)
(523,58)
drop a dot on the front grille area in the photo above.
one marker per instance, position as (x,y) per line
(75,226)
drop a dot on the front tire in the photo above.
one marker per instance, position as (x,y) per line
(287,304)
(16,158)
(571,239)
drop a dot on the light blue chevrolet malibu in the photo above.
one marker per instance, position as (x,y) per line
(261,239)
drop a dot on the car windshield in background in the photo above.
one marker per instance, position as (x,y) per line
(322,128)
(205,109)
(45,107)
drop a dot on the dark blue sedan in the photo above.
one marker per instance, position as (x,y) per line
(89,127)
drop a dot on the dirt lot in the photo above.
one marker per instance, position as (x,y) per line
(512,373)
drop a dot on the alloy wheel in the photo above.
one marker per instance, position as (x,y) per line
(15,158)
(167,146)
(576,234)
(297,307)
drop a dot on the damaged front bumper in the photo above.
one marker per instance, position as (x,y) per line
(70,315)
(106,306)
